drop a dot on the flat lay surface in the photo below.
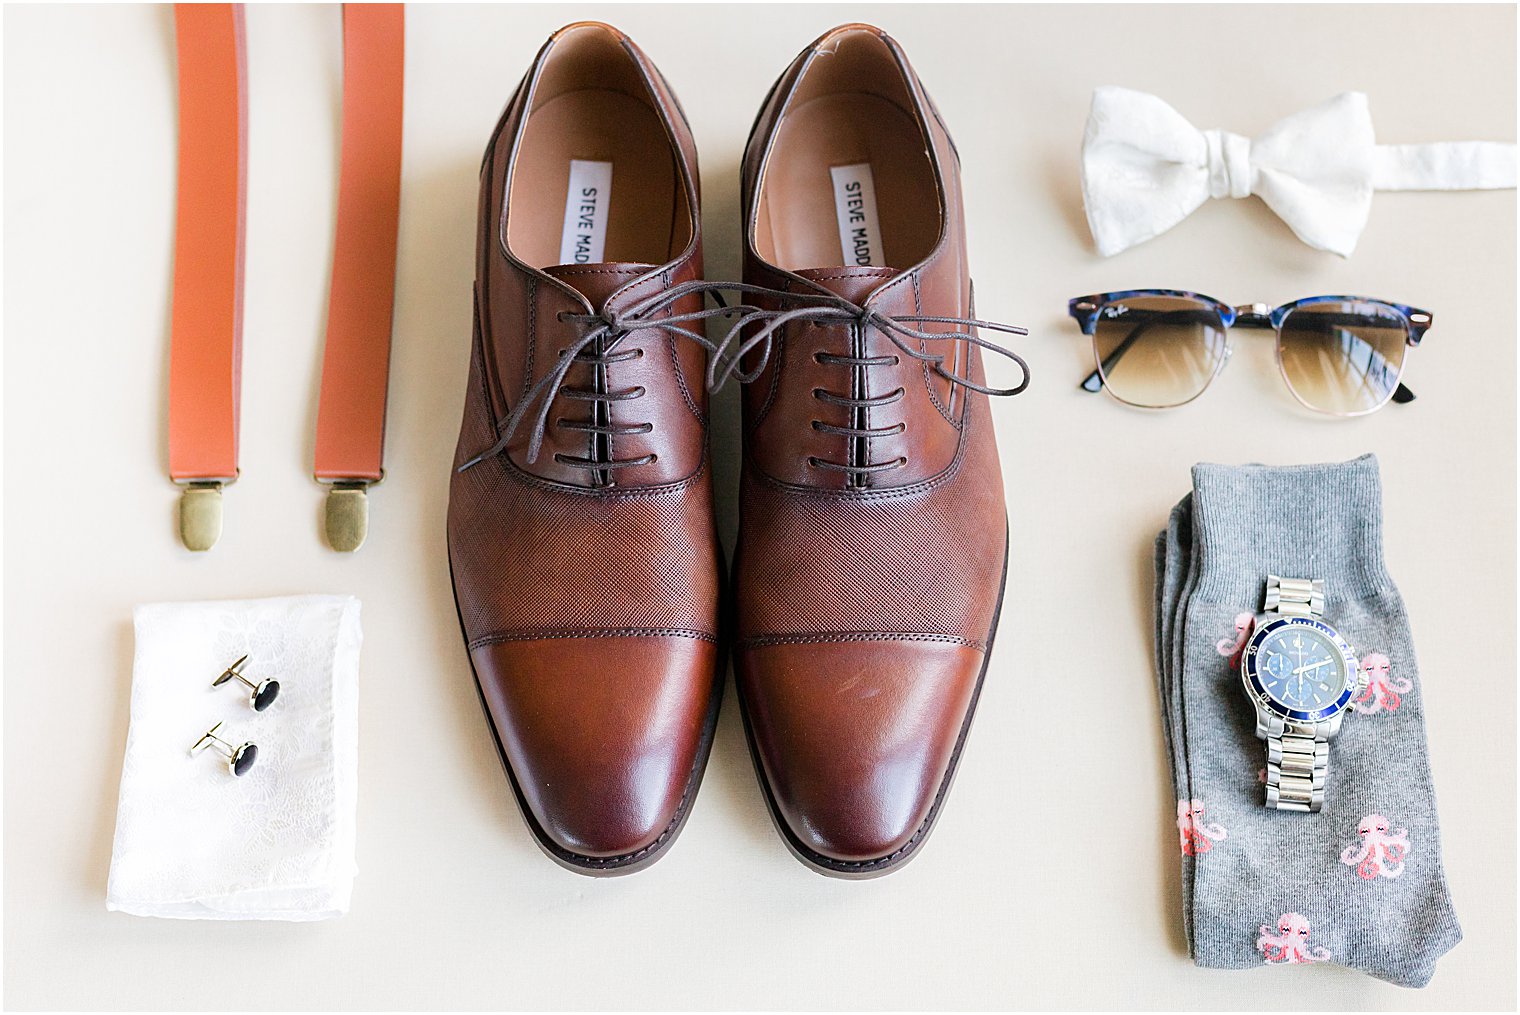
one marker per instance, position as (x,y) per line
(1053,876)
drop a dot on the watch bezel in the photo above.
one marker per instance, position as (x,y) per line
(1252,680)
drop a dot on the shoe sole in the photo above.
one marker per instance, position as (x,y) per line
(865,869)
(627,863)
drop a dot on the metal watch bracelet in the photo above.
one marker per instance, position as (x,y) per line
(1298,754)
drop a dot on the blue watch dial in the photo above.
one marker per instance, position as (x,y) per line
(1301,668)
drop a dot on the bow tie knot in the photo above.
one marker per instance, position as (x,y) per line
(1230,169)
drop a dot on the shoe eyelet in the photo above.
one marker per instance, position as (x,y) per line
(817,424)
(896,359)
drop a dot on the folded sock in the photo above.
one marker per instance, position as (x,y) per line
(1360,883)
(1173,560)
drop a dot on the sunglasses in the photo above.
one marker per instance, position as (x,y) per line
(1159,348)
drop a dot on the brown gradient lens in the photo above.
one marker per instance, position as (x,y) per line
(1158,351)
(1344,357)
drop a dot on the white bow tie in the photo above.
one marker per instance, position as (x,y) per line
(1145,168)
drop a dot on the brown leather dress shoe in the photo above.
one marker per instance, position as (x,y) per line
(873,540)
(581,533)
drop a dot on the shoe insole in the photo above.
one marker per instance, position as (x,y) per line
(798,221)
(594,126)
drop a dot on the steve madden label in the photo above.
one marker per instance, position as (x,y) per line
(855,207)
(584,239)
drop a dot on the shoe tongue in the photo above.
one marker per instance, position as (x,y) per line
(854,283)
(598,281)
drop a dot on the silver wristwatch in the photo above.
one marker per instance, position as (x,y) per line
(1300,676)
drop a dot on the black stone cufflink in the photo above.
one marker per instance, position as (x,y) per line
(264,692)
(239,759)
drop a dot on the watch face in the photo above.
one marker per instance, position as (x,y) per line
(1301,668)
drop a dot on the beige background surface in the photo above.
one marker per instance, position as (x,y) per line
(1052,879)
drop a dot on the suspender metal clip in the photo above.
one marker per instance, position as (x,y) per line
(200,512)
(347,513)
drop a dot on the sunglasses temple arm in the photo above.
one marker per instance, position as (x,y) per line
(1093,382)
(1401,394)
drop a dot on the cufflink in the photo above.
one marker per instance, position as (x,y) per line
(264,692)
(239,759)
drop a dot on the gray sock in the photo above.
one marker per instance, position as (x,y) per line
(1173,560)
(1359,884)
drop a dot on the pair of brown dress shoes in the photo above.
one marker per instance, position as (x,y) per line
(873,540)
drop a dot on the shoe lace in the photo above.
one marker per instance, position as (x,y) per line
(828,309)
(598,343)
(603,332)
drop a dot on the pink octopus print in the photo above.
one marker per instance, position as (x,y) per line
(1383,688)
(1232,646)
(1378,852)
(1289,943)
(1196,835)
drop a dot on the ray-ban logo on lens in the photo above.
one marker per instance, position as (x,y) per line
(1115,310)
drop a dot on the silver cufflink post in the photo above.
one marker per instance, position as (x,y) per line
(239,759)
(264,692)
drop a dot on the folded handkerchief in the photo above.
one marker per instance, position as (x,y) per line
(194,842)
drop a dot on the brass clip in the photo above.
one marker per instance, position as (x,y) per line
(347,515)
(200,514)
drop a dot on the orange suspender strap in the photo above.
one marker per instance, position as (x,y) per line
(205,361)
(206,338)
(356,361)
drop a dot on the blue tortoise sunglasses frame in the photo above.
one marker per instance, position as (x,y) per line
(1088,311)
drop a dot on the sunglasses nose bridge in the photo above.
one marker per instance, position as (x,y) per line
(1255,311)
